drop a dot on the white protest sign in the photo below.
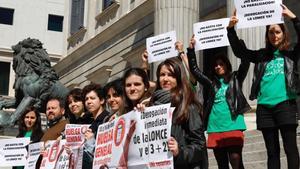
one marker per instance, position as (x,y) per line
(161,47)
(252,13)
(149,148)
(54,155)
(75,139)
(76,158)
(75,134)
(34,151)
(135,140)
(211,34)
(110,141)
(63,161)
(13,151)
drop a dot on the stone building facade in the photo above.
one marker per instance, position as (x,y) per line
(105,37)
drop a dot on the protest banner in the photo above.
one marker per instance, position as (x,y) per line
(161,47)
(109,142)
(55,155)
(63,160)
(75,133)
(13,151)
(76,158)
(252,13)
(135,140)
(149,148)
(34,151)
(211,34)
(74,140)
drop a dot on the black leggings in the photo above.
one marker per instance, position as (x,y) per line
(232,154)
(289,138)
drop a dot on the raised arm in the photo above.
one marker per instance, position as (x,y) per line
(243,67)
(194,69)
(290,15)
(145,66)
(184,59)
(243,70)
(239,49)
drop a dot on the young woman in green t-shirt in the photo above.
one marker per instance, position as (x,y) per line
(224,105)
(30,126)
(274,86)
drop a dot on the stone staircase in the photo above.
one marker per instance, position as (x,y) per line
(254,152)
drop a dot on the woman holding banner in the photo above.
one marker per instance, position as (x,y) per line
(225,104)
(30,126)
(274,87)
(188,142)
(95,104)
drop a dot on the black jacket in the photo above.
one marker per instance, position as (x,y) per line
(262,56)
(87,118)
(102,118)
(234,95)
(189,135)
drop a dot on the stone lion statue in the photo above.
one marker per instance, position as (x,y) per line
(35,80)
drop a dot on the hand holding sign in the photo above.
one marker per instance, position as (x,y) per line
(287,13)
(233,20)
(179,46)
(173,146)
(192,42)
(145,64)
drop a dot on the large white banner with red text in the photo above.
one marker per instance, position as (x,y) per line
(135,140)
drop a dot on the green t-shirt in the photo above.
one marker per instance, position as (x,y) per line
(28,133)
(220,119)
(272,86)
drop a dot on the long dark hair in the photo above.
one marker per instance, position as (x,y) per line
(285,44)
(182,96)
(37,131)
(138,72)
(225,59)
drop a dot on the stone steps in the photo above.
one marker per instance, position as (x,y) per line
(254,152)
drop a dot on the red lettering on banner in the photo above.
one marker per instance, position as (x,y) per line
(73,139)
(73,131)
(105,137)
(103,150)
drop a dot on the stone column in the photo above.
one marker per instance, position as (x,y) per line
(178,15)
(254,39)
